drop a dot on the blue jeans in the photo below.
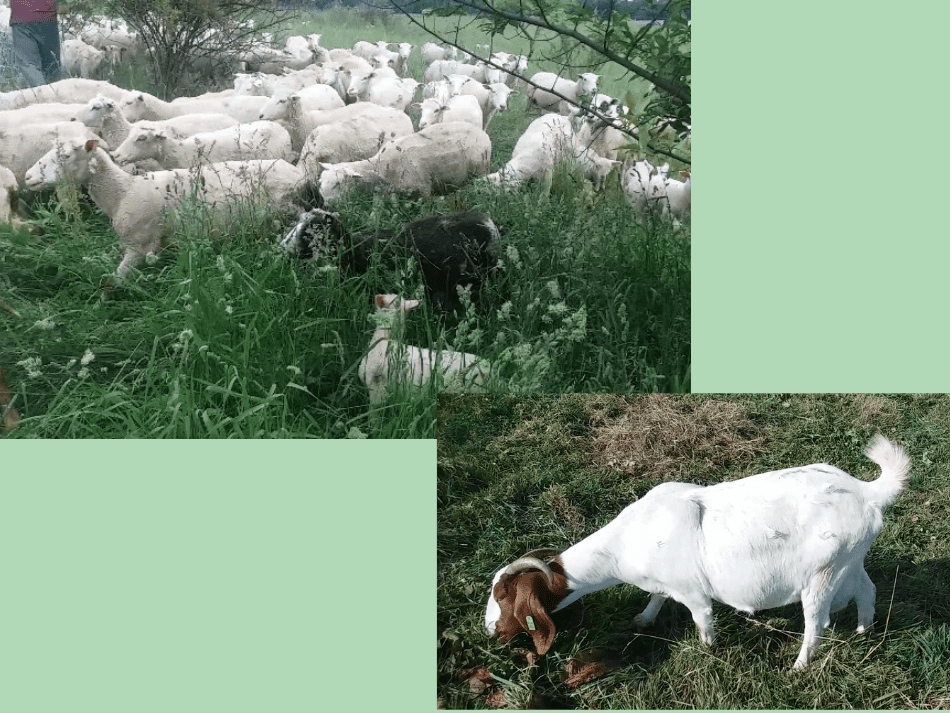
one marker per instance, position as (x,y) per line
(36,52)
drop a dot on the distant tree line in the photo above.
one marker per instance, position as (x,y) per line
(641,10)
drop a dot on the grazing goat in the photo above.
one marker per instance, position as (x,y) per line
(453,249)
(798,534)
(390,362)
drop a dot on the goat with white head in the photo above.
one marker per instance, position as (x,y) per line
(764,541)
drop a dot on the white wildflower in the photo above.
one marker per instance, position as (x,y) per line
(87,357)
(47,323)
(32,366)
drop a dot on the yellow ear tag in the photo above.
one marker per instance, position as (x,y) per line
(530,621)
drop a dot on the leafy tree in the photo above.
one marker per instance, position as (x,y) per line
(655,46)
(182,35)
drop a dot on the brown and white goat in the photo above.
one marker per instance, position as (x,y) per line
(798,534)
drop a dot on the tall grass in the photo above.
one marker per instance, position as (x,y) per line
(225,336)
(517,473)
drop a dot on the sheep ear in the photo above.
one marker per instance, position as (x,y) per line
(684,175)
(91,144)
(410,304)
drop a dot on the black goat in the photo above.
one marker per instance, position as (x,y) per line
(453,249)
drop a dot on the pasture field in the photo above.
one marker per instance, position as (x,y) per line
(224,336)
(516,473)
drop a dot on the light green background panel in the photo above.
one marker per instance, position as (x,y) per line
(820,239)
(223,576)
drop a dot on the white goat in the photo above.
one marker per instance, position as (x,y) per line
(798,534)
(390,362)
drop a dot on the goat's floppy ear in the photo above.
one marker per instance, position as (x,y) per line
(531,613)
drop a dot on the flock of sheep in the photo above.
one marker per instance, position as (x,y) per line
(330,119)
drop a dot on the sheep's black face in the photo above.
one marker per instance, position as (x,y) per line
(317,233)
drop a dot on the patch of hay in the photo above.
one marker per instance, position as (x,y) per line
(665,437)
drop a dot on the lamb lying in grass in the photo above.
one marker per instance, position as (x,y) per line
(391,363)
(138,205)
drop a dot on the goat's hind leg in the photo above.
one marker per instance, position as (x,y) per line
(816,605)
(648,615)
(864,594)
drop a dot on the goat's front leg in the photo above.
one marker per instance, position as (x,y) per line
(701,609)
(648,615)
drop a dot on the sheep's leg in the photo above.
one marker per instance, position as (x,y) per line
(648,615)
(864,594)
(129,261)
(816,604)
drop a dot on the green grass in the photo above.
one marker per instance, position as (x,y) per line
(518,473)
(224,336)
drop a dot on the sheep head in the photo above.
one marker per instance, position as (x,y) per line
(522,598)
(67,159)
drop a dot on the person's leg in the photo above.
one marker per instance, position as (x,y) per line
(48,34)
(34,45)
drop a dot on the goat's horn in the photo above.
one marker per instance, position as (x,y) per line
(525,564)
(544,553)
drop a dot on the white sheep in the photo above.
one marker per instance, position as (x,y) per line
(492,98)
(38,113)
(76,90)
(394,93)
(651,191)
(360,81)
(549,140)
(254,84)
(575,91)
(437,159)
(442,68)
(352,139)
(22,146)
(391,363)
(798,534)
(79,58)
(141,105)
(316,97)
(439,89)
(301,123)
(457,108)
(106,118)
(678,195)
(244,142)
(432,52)
(9,198)
(138,205)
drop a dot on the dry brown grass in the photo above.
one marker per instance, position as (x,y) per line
(669,438)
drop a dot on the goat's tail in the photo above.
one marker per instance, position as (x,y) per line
(895,470)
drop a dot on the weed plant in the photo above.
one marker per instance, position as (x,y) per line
(223,335)
(517,473)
